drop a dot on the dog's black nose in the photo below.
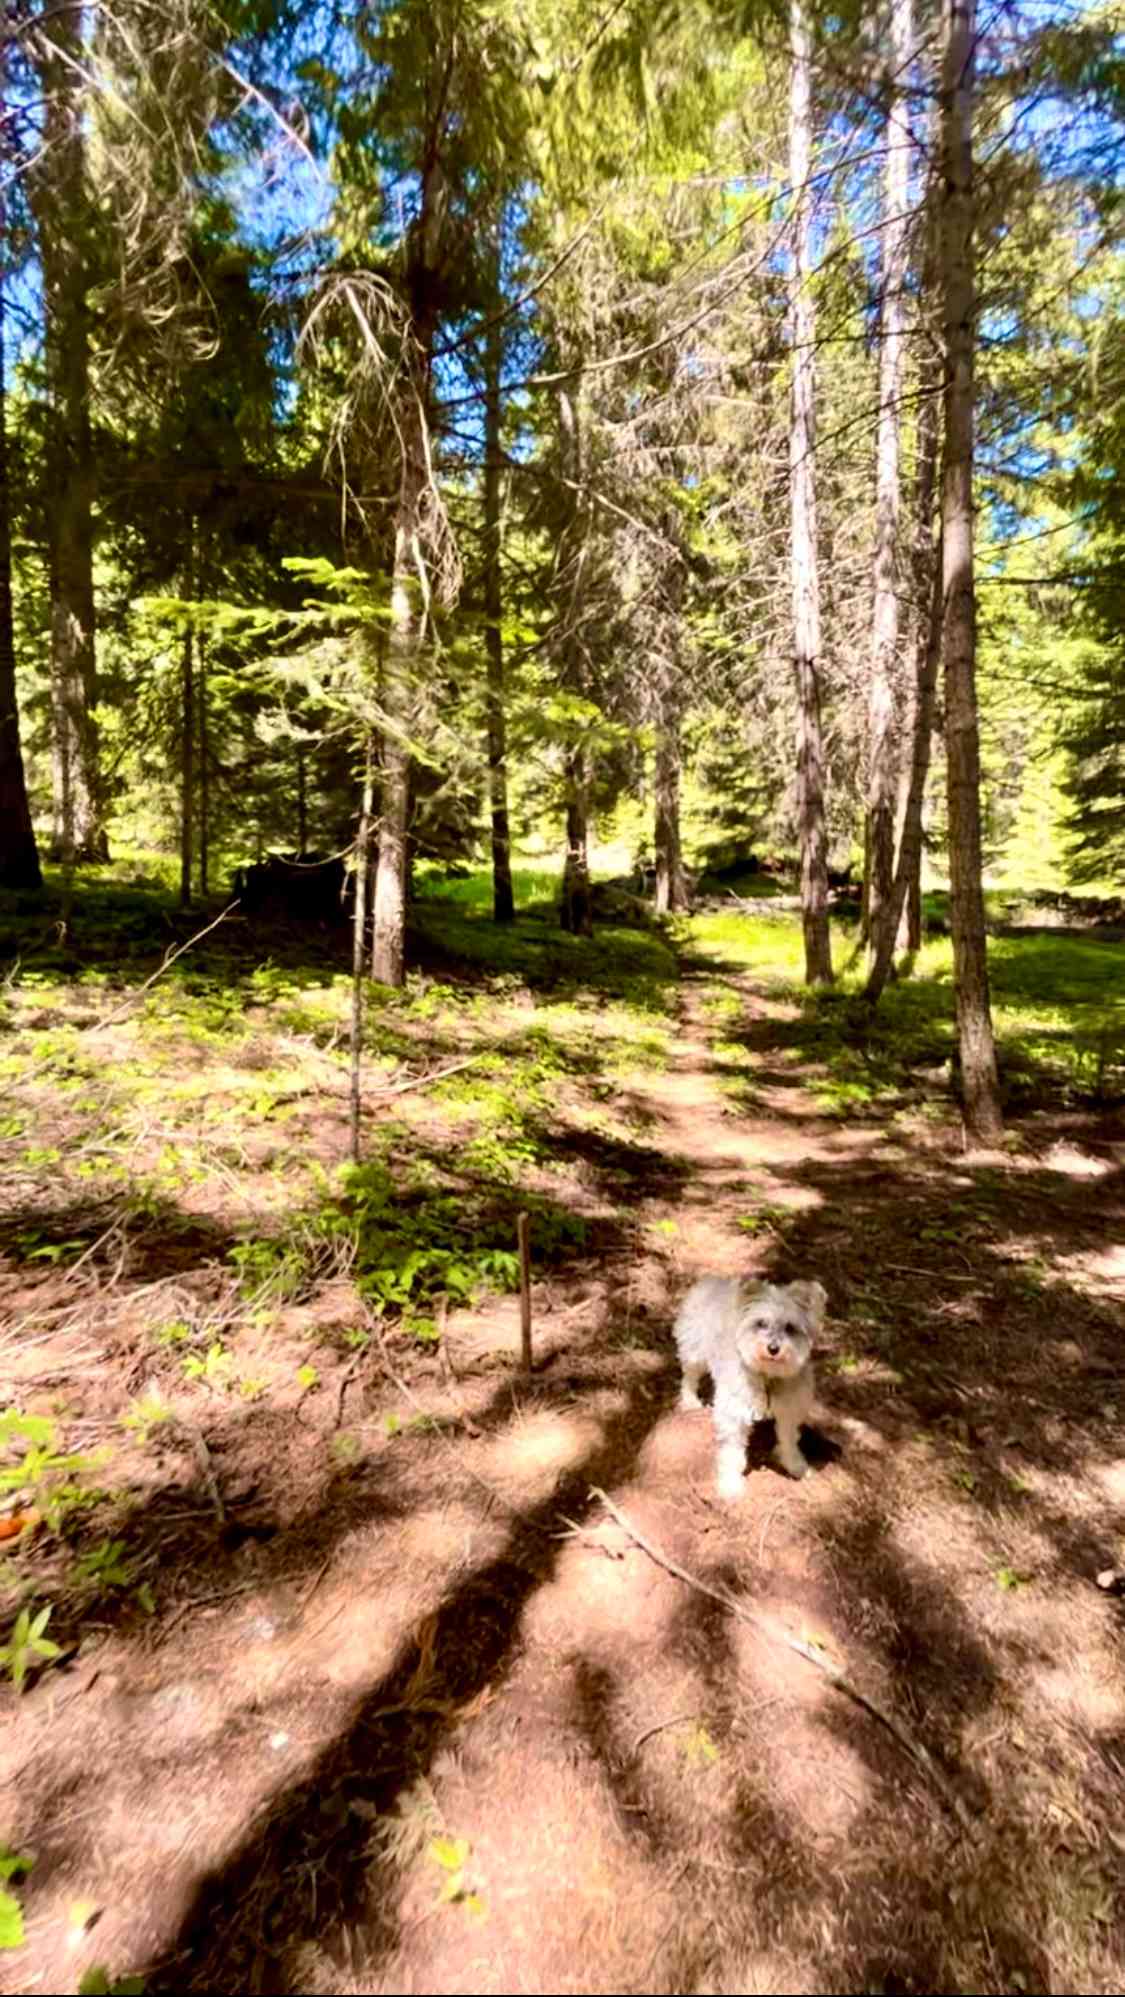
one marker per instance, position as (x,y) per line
(773,1348)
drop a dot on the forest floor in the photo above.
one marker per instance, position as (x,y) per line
(361,1687)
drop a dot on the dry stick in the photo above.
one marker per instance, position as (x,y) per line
(112,1018)
(914,1748)
(423,1081)
(678,1720)
(206,1469)
(523,1236)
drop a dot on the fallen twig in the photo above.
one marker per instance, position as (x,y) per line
(424,1081)
(919,1754)
(113,1018)
(679,1720)
(523,1237)
(346,1378)
(203,1601)
(206,1469)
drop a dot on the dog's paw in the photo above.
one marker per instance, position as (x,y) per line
(730,1488)
(689,1398)
(795,1466)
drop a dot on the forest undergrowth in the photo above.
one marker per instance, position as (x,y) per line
(323,1666)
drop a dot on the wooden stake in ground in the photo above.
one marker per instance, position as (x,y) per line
(523,1235)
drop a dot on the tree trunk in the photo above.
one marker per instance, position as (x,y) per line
(906,889)
(388,949)
(806,580)
(503,902)
(882,729)
(929,604)
(359,938)
(671,890)
(302,804)
(575,911)
(187,730)
(981,1100)
(58,196)
(204,778)
(19,857)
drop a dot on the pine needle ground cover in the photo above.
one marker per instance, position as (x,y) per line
(323,1667)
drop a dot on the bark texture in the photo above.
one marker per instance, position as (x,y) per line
(19,855)
(883,720)
(58,195)
(981,1099)
(805,575)
(503,902)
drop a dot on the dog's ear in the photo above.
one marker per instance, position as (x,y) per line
(812,1298)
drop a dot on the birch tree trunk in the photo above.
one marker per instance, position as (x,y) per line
(19,857)
(805,577)
(503,903)
(981,1100)
(58,198)
(882,720)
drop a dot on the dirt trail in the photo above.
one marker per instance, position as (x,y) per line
(456,1734)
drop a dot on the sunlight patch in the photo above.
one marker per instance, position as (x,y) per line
(538,1448)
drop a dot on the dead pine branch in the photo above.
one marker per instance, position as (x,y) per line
(523,1236)
(918,1753)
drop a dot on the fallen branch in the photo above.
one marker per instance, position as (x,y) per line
(346,1378)
(170,957)
(206,1468)
(919,1754)
(114,1018)
(424,1081)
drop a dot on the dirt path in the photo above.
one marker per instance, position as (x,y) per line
(451,1732)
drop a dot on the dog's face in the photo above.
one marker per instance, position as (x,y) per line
(779,1323)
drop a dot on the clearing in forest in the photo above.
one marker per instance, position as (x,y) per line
(360,1687)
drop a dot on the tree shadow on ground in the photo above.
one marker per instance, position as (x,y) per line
(239,1933)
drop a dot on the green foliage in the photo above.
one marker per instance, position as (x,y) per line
(13,1865)
(27,1643)
(47,1474)
(97,1982)
(104,1566)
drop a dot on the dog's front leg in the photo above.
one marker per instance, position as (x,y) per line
(731,1433)
(788,1448)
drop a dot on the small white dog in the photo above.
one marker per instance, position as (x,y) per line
(755,1340)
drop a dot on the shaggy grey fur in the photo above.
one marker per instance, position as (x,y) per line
(755,1340)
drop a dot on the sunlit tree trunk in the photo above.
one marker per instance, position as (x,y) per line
(981,1100)
(903,923)
(574,908)
(805,577)
(19,857)
(503,904)
(409,594)
(187,730)
(58,195)
(882,718)
(204,777)
(359,940)
(671,887)
(400,664)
